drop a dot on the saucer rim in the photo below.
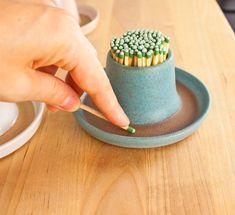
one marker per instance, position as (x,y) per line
(23,137)
(158,140)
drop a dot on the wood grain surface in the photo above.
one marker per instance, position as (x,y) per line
(63,170)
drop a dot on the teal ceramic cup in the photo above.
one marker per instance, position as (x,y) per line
(147,94)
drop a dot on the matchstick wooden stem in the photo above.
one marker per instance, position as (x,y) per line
(100,115)
(92,111)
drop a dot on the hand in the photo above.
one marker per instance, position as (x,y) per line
(35,37)
(68,5)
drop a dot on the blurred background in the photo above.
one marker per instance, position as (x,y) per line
(228,8)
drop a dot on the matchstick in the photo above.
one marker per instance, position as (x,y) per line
(114,52)
(164,54)
(155,57)
(149,58)
(117,55)
(166,44)
(135,58)
(100,115)
(144,52)
(131,56)
(139,59)
(126,57)
(121,57)
(160,55)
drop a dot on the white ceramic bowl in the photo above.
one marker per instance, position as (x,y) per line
(8,115)
(92,14)
(19,140)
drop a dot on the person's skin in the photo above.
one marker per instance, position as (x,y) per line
(36,38)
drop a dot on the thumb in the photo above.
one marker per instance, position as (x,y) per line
(53,91)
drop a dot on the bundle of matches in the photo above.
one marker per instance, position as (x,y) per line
(140,48)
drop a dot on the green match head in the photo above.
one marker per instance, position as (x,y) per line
(117,52)
(131,53)
(140,47)
(149,53)
(131,130)
(146,45)
(164,51)
(139,54)
(121,54)
(159,42)
(125,46)
(167,39)
(126,52)
(134,47)
(156,51)
(144,51)
(121,41)
(156,47)
(120,47)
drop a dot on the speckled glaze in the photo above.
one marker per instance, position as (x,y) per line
(147,94)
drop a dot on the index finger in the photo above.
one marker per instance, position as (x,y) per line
(89,75)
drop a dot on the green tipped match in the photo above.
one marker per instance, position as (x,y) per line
(131,130)
(167,39)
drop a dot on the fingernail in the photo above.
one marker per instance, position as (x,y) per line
(70,104)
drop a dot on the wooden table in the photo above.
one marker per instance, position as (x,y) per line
(63,170)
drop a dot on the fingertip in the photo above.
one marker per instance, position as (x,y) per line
(108,104)
(120,118)
(117,116)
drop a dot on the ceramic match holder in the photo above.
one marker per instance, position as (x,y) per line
(165,104)
(147,94)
